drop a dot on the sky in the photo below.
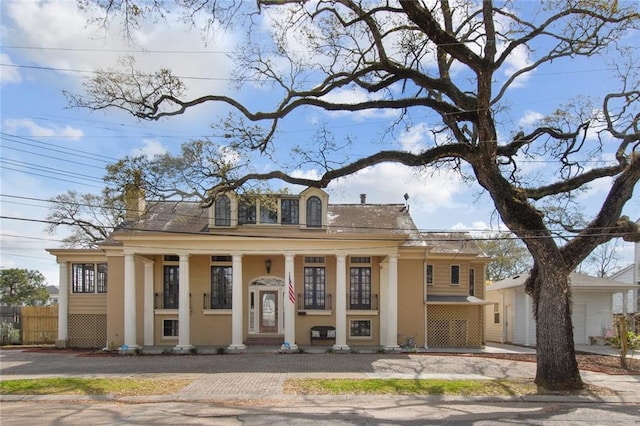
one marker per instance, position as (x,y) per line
(48,48)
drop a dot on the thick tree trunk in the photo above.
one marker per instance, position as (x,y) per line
(557,367)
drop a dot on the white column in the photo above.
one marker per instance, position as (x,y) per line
(130,321)
(236,305)
(63,306)
(341,303)
(527,319)
(392,304)
(148,303)
(384,283)
(289,305)
(184,306)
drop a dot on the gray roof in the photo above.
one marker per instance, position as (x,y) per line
(189,217)
(452,243)
(577,281)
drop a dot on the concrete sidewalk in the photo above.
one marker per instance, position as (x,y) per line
(260,376)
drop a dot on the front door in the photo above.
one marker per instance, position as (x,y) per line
(268,312)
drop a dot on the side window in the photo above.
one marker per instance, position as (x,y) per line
(360,328)
(247,212)
(455,274)
(170,287)
(83,278)
(472,282)
(314,212)
(223,211)
(496,313)
(429,274)
(290,211)
(102,277)
(170,328)
(221,287)
(268,214)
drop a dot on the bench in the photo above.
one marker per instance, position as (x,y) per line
(322,332)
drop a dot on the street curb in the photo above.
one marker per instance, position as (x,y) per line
(618,399)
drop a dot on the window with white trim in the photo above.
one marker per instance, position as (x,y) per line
(429,274)
(85,276)
(496,313)
(170,328)
(359,328)
(290,211)
(223,211)
(455,274)
(314,212)
(472,282)
(221,287)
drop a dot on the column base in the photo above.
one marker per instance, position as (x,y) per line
(237,348)
(183,349)
(392,348)
(62,343)
(289,348)
(341,348)
(129,349)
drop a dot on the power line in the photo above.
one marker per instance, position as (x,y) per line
(48,146)
(329,237)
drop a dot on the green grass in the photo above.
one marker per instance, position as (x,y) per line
(409,387)
(83,386)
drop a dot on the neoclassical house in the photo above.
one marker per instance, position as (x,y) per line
(266,271)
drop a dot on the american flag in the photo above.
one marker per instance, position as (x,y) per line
(292,293)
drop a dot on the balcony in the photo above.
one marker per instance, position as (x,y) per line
(362,304)
(162,302)
(317,303)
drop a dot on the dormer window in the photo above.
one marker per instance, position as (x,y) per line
(290,210)
(223,211)
(314,212)
(247,212)
(268,215)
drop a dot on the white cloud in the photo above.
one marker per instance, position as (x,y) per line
(530,118)
(387,183)
(413,140)
(517,60)
(151,148)
(8,73)
(36,130)
(69,41)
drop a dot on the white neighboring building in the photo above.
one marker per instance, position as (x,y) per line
(631,275)
(510,318)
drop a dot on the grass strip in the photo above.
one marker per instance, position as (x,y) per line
(92,386)
(409,387)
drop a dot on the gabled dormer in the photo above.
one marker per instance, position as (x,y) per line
(314,204)
(307,210)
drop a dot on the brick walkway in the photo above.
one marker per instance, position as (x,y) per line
(262,375)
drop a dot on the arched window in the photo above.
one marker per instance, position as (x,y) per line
(223,211)
(314,212)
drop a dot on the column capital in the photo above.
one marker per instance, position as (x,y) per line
(183,254)
(341,256)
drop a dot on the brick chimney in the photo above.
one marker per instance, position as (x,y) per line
(363,198)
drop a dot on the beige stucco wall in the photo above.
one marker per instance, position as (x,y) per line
(411,320)
(115,304)
(214,328)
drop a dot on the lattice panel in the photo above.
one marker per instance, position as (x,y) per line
(87,330)
(454,325)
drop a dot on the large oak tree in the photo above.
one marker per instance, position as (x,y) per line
(420,58)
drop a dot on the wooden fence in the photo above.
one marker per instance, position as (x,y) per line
(39,324)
